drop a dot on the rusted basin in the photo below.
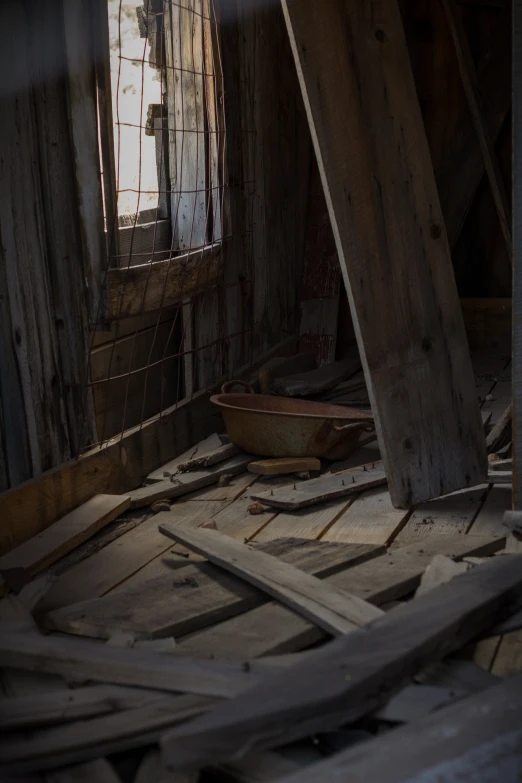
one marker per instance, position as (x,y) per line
(271,426)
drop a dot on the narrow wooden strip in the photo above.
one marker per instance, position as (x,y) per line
(353,675)
(335,611)
(329,487)
(86,660)
(172,467)
(45,709)
(378,581)
(184,483)
(57,540)
(479,739)
(187,599)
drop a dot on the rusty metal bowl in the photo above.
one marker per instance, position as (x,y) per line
(271,426)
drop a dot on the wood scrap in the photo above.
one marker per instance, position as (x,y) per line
(19,565)
(184,483)
(335,611)
(382,579)
(329,487)
(478,738)
(88,660)
(208,445)
(197,595)
(325,377)
(281,365)
(283,465)
(351,676)
(220,454)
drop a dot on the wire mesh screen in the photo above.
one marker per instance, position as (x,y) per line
(162,330)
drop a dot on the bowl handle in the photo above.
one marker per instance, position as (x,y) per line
(229,385)
(365,426)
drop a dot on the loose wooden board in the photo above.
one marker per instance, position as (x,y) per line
(183,483)
(478,738)
(353,675)
(277,467)
(88,660)
(378,581)
(335,611)
(57,540)
(319,490)
(388,226)
(202,448)
(198,595)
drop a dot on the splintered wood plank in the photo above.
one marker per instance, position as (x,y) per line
(335,611)
(66,745)
(353,675)
(205,448)
(69,532)
(443,517)
(99,573)
(483,743)
(319,490)
(192,597)
(88,660)
(378,581)
(370,519)
(388,225)
(183,483)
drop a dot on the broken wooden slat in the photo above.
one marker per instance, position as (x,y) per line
(69,532)
(335,611)
(87,660)
(324,378)
(392,217)
(351,676)
(330,487)
(478,738)
(387,578)
(184,483)
(64,745)
(220,454)
(48,708)
(172,467)
(278,467)
(195,596)
(142,288)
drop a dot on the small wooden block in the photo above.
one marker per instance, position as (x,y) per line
(276,467)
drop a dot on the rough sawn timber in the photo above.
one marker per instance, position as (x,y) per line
(353,675)
(392,243)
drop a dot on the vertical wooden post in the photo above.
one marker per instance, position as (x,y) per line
(517,255)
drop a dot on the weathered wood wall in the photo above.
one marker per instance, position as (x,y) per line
(44,300)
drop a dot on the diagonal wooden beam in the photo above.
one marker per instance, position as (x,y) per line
(471,89)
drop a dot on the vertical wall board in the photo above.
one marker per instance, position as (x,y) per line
(517,261)
(380,189)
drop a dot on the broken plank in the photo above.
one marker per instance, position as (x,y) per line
(89,660)
(388,577)
(85,740)
(184,483)
(381,201)
(57,540)
(316,381)
(134,290)
(220,454)
(353,675)
(190,598)
(319,490)
(101,572)
(172,467)
(62,706)
(335,611)
(282,465)
(478,738)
